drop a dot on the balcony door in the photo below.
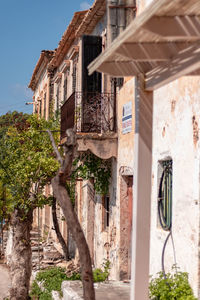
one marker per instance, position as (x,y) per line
(91,85)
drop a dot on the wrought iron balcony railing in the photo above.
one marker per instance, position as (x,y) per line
(89,112)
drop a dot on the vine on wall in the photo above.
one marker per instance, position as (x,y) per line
(89,166)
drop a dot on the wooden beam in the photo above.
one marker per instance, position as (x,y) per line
(194,73)
(119,69)
(142,52)
(128,33)
(185,28)
(151,51)
(178,27)
(186,62)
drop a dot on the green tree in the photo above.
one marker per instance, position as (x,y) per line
(27,165)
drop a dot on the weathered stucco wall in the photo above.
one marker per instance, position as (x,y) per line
(176,135)
(112,242)
(40,90)
(101,239)
(125,141)
(124,175)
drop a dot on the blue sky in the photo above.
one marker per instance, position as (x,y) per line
(26,28)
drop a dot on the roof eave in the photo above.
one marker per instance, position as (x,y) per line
(45,55)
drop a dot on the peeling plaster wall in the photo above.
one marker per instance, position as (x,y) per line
(101,237)
(107,243)
(125,141)
(102,241)
(105,238)
(124,163)
(41,89)
(176,135)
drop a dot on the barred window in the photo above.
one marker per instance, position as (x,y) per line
(165,195)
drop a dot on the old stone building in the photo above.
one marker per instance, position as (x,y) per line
(161,50)
(100,108)
(141,111)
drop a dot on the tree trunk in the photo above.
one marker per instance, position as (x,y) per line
(75,228)
(57,230)
(1,238)
(2,220)
(62,196)
(21,261)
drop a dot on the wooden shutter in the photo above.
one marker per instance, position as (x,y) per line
(92,47)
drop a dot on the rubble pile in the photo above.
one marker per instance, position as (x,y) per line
(71,267)
(45,255)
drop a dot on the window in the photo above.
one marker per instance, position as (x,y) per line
(119,82)
(105,212)
(45,96)
(57,97)
(74,78)
(165,195)
(40,107)
(65,89)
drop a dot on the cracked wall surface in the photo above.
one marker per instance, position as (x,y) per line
(176,134)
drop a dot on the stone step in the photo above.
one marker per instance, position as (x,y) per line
(35,234)
(35,248)
(52,255)
(35,257)
(35,243)
(47,262)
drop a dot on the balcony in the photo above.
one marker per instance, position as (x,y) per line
(93,116)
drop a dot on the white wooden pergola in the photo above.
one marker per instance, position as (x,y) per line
(159,46)
(162,42)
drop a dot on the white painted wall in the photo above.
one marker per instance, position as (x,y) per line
(174,108)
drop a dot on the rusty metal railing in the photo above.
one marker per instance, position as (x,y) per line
(89,112)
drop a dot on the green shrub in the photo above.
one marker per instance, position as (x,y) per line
(174,287)
(102,275)
(49,280)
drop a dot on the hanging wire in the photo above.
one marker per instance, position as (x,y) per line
(165,211)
